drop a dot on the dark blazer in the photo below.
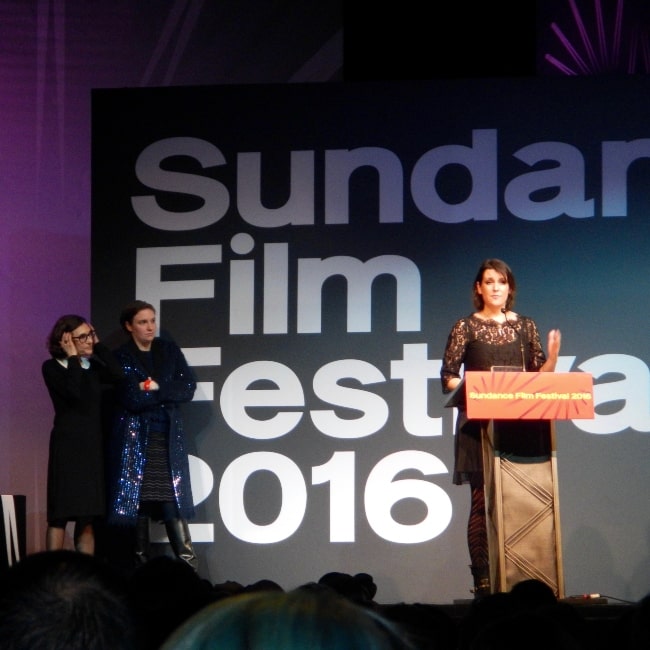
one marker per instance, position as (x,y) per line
(75,477)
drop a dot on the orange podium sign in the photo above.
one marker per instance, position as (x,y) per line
(529,395)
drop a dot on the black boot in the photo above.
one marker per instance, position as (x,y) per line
(481,575)
(179,537)
(142,543)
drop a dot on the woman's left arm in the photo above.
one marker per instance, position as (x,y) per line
(538,361)
(177,383)
(554,341)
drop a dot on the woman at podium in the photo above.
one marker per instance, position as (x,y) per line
(491,337)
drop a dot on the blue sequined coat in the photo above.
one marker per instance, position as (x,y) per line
(135,407)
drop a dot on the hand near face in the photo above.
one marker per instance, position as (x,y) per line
(95,337)
(68,345)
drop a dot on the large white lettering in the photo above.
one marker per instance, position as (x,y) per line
(273,387)
(552,185)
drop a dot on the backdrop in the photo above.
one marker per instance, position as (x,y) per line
(52,53)
(310,247)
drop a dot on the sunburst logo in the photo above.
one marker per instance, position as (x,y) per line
(598,37)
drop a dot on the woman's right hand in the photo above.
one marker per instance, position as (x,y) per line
(149,384)
(67,344)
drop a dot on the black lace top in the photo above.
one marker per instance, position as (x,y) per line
(479,344)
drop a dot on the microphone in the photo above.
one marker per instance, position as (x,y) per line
(517,331)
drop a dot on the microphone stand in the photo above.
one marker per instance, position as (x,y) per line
(517,331)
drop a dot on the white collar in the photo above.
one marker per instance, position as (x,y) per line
(85,364)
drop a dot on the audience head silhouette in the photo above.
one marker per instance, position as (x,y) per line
(359,588)
(163,593)
(319,619)
(63,600)
(533,593)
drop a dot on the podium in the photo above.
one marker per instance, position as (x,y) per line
(521,488)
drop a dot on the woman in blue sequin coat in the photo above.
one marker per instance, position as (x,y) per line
(150,478)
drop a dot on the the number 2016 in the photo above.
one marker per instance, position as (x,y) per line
(382,492)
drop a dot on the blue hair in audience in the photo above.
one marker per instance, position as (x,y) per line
(314,618)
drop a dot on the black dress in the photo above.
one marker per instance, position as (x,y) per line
(478,344)
(75,472)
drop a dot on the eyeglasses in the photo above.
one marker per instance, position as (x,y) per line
(82,338)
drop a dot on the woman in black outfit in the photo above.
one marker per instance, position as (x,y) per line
(79,369)
(493,335)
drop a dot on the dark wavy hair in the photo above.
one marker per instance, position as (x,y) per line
(67,323)
(502,269)
(65,599)
(129,311)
